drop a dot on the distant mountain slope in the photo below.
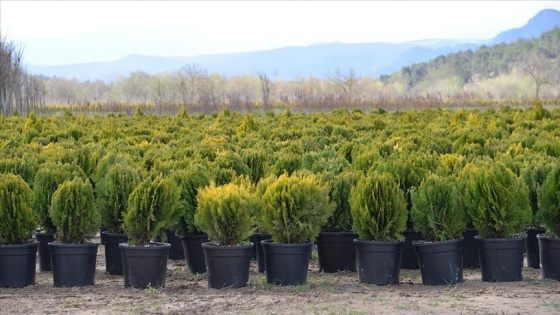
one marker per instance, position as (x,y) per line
(291,62)
(486,62)
(544,21)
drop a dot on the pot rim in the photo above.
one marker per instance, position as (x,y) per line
(218,245)
(151,245)
(360,241)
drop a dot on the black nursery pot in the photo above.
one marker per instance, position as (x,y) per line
(336,251)
(73,264)
(227,266)
(144,266)
(17,265)
(194,254)
(549,248)
(176,251)
(44,251)
(470,249)
(532,246)
(258,249)
(113,256)
(286,264)
(409,258)
(501,259)
(378,262)
(441,263)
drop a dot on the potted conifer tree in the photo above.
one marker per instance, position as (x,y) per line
(224,214)
(438,213)
(190,180)
(497,202)
(294,209)
(379,212)
(113,191)
(17,252)
(335,244)
(76,219)
(151,208)
(549,215)
(46,181)
(534,173)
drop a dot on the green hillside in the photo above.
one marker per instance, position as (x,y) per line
(536,60)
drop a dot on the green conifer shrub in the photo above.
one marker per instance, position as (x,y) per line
(549,203)
(73,211)
(495,198)
(224,213)
(437,211)
(378,208)
(112,195)
(17,220)
(190,180)
(47,179)
(339,187)
(151,209)
(295,208)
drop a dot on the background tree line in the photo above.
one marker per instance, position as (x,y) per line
(515,72)
(19,91)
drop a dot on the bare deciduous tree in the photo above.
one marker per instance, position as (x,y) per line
(346,81)
(11,75)
(537,67)
(190,79)
(266,89)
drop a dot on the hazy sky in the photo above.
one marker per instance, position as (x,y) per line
(62,32)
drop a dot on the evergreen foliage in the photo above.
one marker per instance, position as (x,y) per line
(495,198)
(437,210)
(73,211)
(17,220)
(295,208)
(190,180)
(549,203)
(378,208)
(151,209)
(112,195)
(339,187)
(224,213)
(47,179)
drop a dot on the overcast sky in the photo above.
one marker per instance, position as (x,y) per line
(63,32)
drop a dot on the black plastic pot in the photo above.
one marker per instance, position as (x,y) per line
(409,258)
(549,248)
(378,262)
(144,266)
(501,259)
(113,256)
(176,251)
(258,249)
(440,263)
(73,265)
(336,251)
(17,265)
(470,249)
(286,264)
(532,246)
(227,266)
(44,251)
(194,254)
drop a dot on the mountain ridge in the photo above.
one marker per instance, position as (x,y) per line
(316,60)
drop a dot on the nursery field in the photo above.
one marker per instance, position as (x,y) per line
(229,174)
(325,293)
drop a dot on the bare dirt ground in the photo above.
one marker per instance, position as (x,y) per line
(339,293)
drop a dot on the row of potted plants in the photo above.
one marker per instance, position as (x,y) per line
(292,209)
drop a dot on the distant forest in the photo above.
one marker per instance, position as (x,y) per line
(504,74)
